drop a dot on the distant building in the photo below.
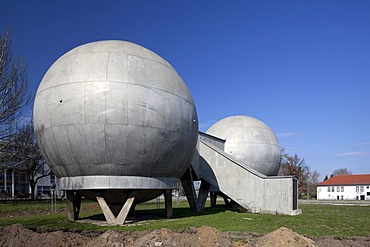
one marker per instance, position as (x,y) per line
(14,184)
(345,187)
(14,180)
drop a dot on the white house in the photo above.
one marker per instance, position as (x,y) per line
(345,187)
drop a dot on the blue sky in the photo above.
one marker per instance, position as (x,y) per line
(302,67)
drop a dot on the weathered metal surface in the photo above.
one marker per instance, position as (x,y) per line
(250,141)
(115,108)
(116,182)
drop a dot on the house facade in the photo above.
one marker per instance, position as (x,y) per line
(345,187)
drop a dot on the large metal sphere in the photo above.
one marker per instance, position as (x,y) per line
(115,108)
(250,141)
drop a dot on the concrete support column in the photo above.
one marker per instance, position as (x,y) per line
(226,199)
(124,211)
(168,203)
(213,199)
(108,214)
(73,205)
(188,185)
(203,194)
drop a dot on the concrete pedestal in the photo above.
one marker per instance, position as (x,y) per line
(168,203)
(73,205)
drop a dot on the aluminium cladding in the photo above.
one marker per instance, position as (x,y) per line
(114,108)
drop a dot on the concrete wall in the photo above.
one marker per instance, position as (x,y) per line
(220,143)
(250,189)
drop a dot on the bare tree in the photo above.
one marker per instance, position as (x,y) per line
(14,93)
(312,179)
(292,165)
(14,96)
(296,166)
(341,171)
(28,158)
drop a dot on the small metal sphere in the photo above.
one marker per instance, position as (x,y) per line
(250,141)
(115,108)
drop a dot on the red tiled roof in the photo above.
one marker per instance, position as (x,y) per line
(347,180)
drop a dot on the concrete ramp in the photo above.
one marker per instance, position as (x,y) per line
(250,189)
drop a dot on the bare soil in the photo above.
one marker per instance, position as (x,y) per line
(18,235)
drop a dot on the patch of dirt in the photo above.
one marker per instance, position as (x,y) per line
(18,235)
(283,237)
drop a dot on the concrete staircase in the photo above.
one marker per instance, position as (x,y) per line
(221,172)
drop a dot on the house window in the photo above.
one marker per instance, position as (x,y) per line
(361,188)
(332,189)
(367,187)
(328,189)
(357,189)
(337,188)
(342,189)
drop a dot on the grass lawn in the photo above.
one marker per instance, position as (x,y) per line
(316,220)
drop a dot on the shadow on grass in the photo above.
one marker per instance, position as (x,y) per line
(160,214)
